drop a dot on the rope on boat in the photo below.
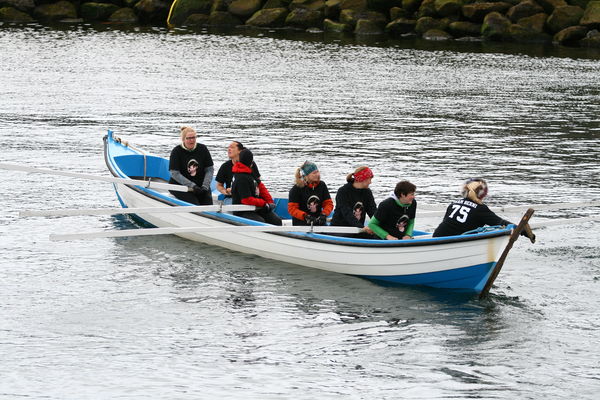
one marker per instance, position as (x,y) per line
(126,144)
(483,229)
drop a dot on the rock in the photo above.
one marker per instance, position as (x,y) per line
(397,12)
(218,5)
(55,11)
(522,34)
(534,23)
(97,11)
(563,17)
(579,3)
(125,14)
(591,15)
(155,11)
(400,26)
(332,26)
(571,35)
(446,8)
(356,5)
(382,5)
(368,27)
(411,5)
(436,34)
(496,27)
(550,5)
(114,2)
(351,17)
(464,28)
(268,18)
(244,9)
(318,5)
(592,39)
(378,17)
(524,9)
(302,18)
(332,8)
(428,23)
(348,17)
(223,19)
(477,11)
(273,4)
(196,20)
(427,9)
(11,14)
(23,5)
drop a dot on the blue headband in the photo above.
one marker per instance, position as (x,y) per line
(308,167)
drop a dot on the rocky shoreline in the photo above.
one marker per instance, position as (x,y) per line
(562,22)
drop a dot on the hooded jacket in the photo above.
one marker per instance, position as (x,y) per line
(246,189)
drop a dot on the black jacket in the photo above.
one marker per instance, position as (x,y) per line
(465,215)
(352,205)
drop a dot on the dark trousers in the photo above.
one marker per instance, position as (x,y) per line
(261,215)
(191,197)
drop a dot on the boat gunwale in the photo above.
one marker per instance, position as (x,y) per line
(315,237)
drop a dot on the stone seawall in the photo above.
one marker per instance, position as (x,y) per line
(563,22)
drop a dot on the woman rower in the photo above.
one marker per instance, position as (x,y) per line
(354,201)
(251,191)
(309,201)
(191,165)
(469,212)
(225,174)
(395,216)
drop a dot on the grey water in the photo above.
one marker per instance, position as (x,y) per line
(161,317)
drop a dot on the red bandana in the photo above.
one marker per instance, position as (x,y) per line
(363,175)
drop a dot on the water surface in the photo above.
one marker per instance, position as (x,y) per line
(166,318)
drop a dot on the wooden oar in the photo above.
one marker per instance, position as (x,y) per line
(513,237)
(203,229)
(429,210)
(542,207)
(140,210)
(565,221)
(139,182)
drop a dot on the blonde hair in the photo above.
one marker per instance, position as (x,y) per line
(303,171)
(350,176)
(184,131)
(299,178)
(475,189)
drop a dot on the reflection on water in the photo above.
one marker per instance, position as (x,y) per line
(162,317)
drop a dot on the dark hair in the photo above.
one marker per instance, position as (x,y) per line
(239,145)
(404,188)
(246,157)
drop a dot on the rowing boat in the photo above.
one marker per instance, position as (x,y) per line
(461,263)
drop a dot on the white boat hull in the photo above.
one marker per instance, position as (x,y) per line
(393,264)
(463,263)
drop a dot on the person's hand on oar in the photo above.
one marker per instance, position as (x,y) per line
(199,190)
